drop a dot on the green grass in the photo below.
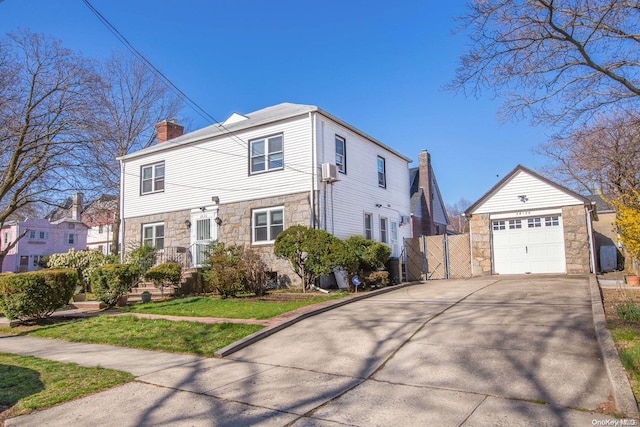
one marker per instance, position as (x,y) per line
(230,308)
(28,383)
(128,331)
(627,339)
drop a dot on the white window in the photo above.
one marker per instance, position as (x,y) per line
(341,154)
(38,235)
(72,226)
(153,235)
(368,226)
(394,238)
(152,178)
(266,154)
(36,260)
(32,234)
(384,237)
(5,239)
(267,224)
(100,229)
(382,173)
(498,225)
(515,224)
(551,221)
(71,239)
(534,223)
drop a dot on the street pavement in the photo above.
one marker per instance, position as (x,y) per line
(513,351)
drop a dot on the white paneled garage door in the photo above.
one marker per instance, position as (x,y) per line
(528,245)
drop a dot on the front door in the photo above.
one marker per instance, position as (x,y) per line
(24,264)
(204,231)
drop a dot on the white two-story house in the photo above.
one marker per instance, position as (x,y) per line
(247,179)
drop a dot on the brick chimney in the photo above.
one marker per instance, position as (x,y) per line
(424,165)
(168,129)
(76,206)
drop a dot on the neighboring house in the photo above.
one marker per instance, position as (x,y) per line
(99,216)
(249,178)
(428,213)
(43,237)
(529,224)
(607,240)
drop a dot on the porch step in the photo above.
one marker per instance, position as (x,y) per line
(88,305)
(157,294)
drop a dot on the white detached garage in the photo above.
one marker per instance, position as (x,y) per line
(529,224)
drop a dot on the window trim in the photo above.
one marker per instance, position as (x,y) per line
(154,239)
(71,239)
(341,165)
(266,154)
(270,239)
(384,230)
(381,161)
(368,232)
(153,178)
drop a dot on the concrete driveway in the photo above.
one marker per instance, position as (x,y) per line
(489,351)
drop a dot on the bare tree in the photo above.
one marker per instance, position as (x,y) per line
(601,157)
(41,107)
(128,101)
(559,61)
(456,218)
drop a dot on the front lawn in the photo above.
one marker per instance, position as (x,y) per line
(28,383)
(265,307)
(128,331)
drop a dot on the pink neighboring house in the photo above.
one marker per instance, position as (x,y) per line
(43,237)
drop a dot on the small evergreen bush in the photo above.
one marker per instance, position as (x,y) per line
(168,273)
(110,281)
(36,295)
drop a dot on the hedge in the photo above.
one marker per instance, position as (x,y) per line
(110,281)
(36,295)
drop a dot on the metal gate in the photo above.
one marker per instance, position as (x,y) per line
(438,257)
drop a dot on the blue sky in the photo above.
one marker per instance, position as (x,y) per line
(380,66)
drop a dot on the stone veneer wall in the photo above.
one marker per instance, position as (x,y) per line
(480,227)
(235,228)
(576,239)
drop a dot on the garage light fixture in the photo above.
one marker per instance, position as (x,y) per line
(523,198)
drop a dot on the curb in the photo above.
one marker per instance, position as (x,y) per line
(264,333)
(621,388)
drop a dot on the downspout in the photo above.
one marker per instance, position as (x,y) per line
(312,117)
(592,249)
(122,220)
(470,244)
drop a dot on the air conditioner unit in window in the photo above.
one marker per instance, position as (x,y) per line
(329,173)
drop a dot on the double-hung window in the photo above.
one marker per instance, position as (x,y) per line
(72,238)
(384,236)
(382,173)
(341,154)
(153,235)
(368,226)
(266,154)
(152,178)
(267,224)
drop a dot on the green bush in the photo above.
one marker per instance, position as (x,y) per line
(36,295)
(110,281)
(83,261)
(168,273)
(225,274)
(143,256)
(371,255)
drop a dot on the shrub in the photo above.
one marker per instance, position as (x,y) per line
(36,295)
(225,274)
(371,255)
(110,281)
(143,256)
(85,262)
(166,274)
(311,252)
(377,278)
(256,272)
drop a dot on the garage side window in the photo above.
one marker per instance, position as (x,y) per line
(534,222)
(498,225)
(551,221)
(515,224)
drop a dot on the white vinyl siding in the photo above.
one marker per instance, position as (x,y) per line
(539,195)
